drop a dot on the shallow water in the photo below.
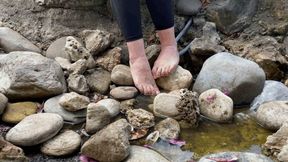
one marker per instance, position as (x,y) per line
(240,135)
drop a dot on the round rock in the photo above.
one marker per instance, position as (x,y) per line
(181,78)
(35,129)
(16,112)
(168,128)
(121,75)
(165,105)
(63,144)
(111,105)
(124,92)
(216,105)
(272,115)
(3,102)
(73,101)
(140,118)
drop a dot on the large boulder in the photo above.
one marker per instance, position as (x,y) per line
(52,106)
(30,75)
(231,16)
(141,154)
(241,79)
(10,41)
(111,144)
(44,127)
(272,115)
(273,91)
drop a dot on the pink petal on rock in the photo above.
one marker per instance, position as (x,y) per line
(177,142)
(84,158)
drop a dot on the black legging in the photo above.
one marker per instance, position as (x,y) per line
(128,15)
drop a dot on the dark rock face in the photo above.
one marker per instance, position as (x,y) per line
(232,16)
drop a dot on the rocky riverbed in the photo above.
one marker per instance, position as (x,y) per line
(67,94)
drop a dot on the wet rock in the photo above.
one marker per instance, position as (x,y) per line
(165,105)
(78,67)
(140,118)
(98,80)
(10,152)
(265,51)
(181,78)
(139,153)
(239,156)
(63,62)
(283,155)
(13,41)
(273,91)
(44,127)
(75,50)
(97,118)
(241,79)
(16,112)
(188,7)
(52,106)
(57,49)
(168,129)
(3,103)
(109,144)
(63,144)
(43,77)
(272,115)
(111,105)
(73,101)
(127,105)
(208,44)
(124,92)
(216,105)
(96,40)
(231,16)
(121,75)
(77,83)
(277,141)
(110,59)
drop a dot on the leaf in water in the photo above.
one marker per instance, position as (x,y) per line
(172,152)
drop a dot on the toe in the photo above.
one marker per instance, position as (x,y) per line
(155,72)
(163,73)
(159,72)
(167,71)
(140,88)
(146,90)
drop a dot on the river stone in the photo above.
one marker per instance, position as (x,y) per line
(181,78)
(273,91)
(168,128)
(43,77)
(52,106)
(63,144)
(241,156)
(142,154)
(57,49)
(16,112)
(11,40)
(216,105)
(78,67)
(113,106)
(272,115)
(73,101)
(63,62)
(97,118)
(108,60)
(231,16)
(96,40)
(165,105)
(110,144)
(3,103)
(275,142)
(77,83)
(188,7)
(241,79)
(283,155)
(124,92)
(121,75)
(75,49)
(140,118)
(35,129)
(98,80)
(10,152)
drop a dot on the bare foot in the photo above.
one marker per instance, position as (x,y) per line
(166,62)
(168,59)
(142,76)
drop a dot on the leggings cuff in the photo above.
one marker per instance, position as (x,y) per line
(133,38)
